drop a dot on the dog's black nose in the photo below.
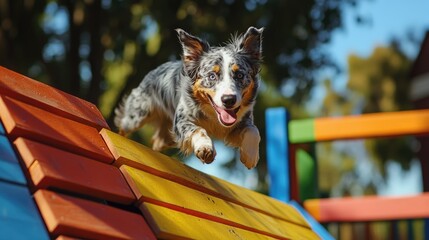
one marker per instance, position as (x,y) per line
(228,100)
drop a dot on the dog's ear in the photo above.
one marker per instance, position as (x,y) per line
(193,47)
(251,43)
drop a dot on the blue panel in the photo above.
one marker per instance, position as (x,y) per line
(278,153)
(315,225)
(10,169)
(2,132)
(19,217)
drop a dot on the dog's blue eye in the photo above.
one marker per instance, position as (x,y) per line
(212,76)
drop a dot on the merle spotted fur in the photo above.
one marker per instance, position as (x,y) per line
(209,93)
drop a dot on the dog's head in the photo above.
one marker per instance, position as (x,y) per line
(226,78)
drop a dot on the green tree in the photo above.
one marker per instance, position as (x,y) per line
(381,82)
(377,83)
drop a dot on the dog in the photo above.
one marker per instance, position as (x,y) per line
(210,92)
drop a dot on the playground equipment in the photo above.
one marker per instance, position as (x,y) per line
(65,175)
(283,135)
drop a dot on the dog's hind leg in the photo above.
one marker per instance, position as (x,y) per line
(133,112)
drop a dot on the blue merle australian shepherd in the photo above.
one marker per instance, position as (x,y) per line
(209,93)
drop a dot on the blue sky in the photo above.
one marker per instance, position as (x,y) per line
(385,19)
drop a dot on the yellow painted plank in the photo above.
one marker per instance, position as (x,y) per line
(157,190)
(178,225)
(267,204)
(131,153)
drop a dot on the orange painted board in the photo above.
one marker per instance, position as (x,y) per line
(370,208)
(372,125)
(130,153)
(156,190)
(53,168)
(65,215)
(170,224)
(46,97)
(23,120)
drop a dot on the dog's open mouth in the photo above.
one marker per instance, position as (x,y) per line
(226,116)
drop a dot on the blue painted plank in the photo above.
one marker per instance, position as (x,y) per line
(2,131)
(278,153)
(10,170)
(315,225)
(19,217)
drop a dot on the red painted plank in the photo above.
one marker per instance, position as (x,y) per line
(50,167)
(65,215)
(371,208)
(23,120)
(46,97)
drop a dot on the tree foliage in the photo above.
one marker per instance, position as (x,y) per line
(73,44)
(382,82)
(377,83)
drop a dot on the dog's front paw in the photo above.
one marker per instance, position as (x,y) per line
(249,150)
(206,153)
(203,146)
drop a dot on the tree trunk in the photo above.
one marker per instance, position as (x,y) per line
(95,55)
(75,26)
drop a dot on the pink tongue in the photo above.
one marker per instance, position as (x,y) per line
(227,117)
